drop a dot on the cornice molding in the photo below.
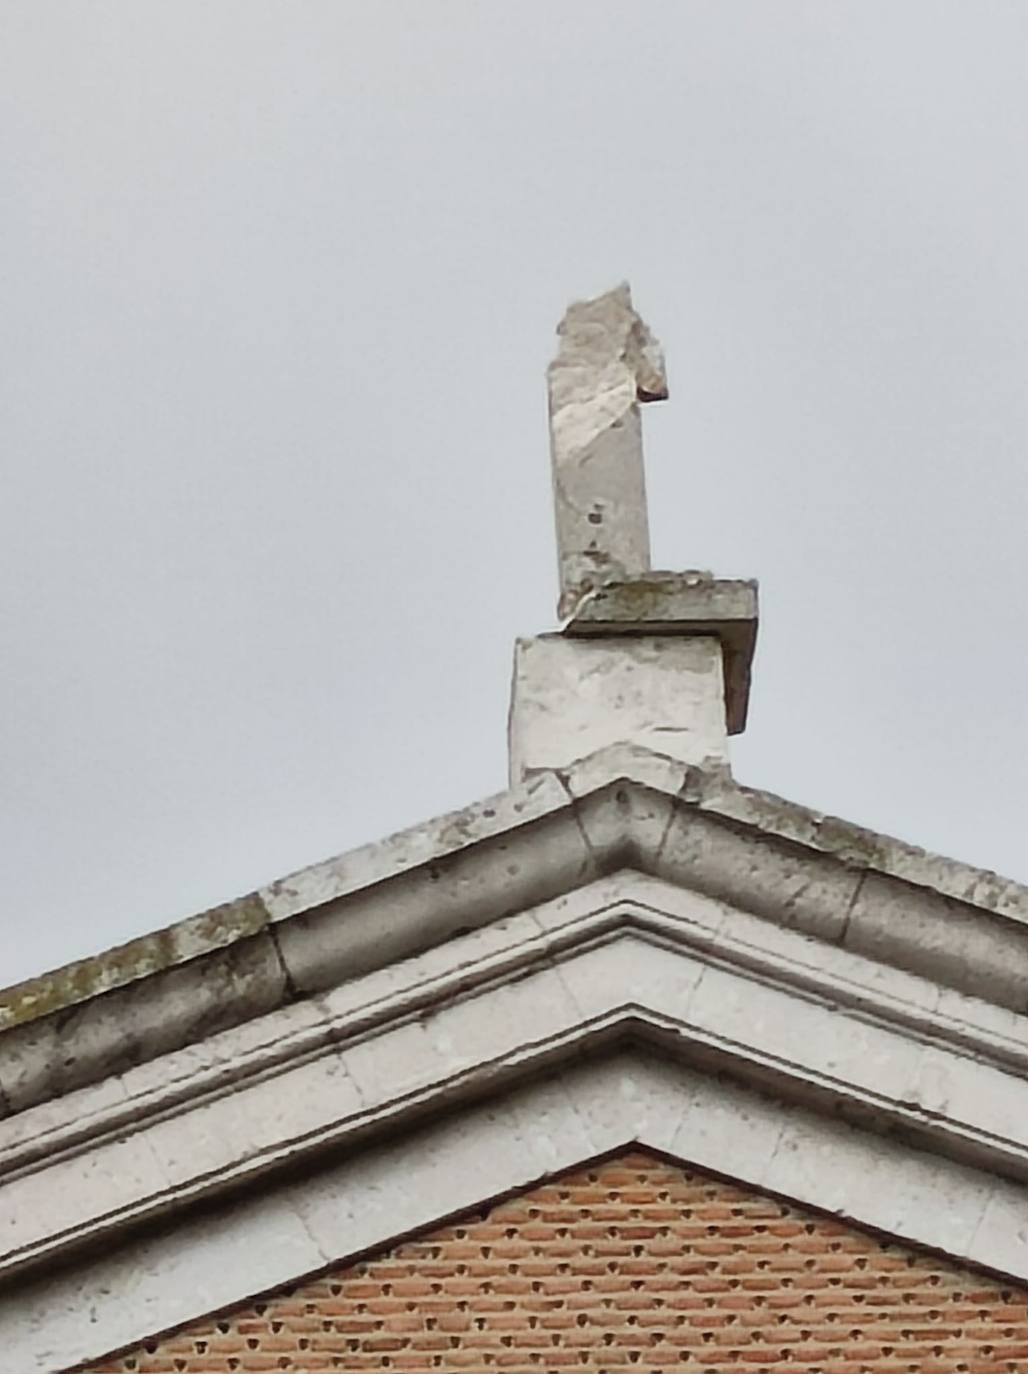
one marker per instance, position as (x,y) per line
(624,807)
(629,957)
(772,957)
(520,1134)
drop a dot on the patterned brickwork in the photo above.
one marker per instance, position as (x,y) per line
(632,1264)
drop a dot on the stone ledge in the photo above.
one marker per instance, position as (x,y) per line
(136,959)
(624,807)
(690,603)
(631,957)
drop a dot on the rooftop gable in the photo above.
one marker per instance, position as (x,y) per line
(625,948)
(624,807)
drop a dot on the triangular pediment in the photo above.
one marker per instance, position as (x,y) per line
(632,952)
(341,1206)
(632,1260)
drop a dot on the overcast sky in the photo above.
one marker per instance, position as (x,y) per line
(278,286)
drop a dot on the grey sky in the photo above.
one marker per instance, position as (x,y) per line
(278,288)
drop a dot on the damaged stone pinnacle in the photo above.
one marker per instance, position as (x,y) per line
(607,363)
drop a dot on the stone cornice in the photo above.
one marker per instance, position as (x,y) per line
(368,1198)
(624,807)
(629,956)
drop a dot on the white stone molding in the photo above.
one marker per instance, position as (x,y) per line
(517,1137)
(626,948)
(630,957)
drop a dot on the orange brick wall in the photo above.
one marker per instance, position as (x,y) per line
(632,1264)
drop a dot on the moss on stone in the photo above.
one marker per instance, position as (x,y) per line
(149,954)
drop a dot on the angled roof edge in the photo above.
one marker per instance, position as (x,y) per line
(243,917)
(435,839)
(341,1121)
(624,806)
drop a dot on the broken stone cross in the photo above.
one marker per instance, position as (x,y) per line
(606,364)
(652,659)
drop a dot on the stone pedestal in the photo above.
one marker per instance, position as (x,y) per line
(573,696)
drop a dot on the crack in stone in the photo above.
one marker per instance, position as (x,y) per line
(591,849)
(294,994)
(850,906)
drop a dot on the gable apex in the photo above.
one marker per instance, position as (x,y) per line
(622,808)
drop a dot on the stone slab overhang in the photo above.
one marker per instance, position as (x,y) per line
(681,604)
(631,950)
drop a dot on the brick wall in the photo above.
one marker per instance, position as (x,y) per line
(632,1264)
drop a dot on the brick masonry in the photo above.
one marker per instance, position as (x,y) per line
(630,1264)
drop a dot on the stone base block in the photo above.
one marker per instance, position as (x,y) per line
(571,697)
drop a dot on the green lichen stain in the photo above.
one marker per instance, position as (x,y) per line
(643,598)
(149,954)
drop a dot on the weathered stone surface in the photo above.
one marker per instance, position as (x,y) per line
(690,603)
(162,949)
(362,1037)
(571,697)
(372,927)
(784,884)
(624,806)
(430,842)
(957,945)
(607,363)
(154,1014)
